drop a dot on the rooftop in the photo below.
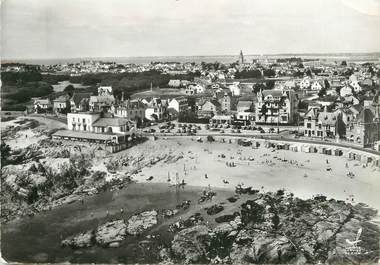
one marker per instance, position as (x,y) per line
(84,135)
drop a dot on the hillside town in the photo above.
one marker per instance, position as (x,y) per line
(312,99)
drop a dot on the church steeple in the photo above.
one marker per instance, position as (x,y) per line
(241,57)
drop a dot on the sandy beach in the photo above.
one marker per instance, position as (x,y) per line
(304,174)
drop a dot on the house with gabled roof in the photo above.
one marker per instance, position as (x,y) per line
(364,130)
(80,101)
(61,104)
(275,106)
(323,124)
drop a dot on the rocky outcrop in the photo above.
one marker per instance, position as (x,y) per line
(214,209)
(190,245)
(109,234)
(137,224)
(80,241)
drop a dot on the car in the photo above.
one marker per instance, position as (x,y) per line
(152,130)
(221,131)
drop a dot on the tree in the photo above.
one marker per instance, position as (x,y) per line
(264,111)
(270,84)
(322,92)
(309,73)
(327,84)
(69,90)
(257,87)
(269,72)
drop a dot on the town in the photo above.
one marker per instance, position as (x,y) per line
(308,99)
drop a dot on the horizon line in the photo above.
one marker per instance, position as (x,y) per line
(212,55)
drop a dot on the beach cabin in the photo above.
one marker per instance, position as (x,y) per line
(286,146)
(313,149)
(321,149)
(376,162)
(280,146)
(305,148)
(294,148)
(255,144)
(338,152)
(328,151)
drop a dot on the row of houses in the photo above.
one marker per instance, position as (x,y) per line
(357,123)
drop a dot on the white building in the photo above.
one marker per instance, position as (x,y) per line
(316,86)
(345,91)
(305,83)
(178,104)
(82,121)
(235,89)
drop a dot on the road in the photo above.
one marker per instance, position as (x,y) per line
(268,137)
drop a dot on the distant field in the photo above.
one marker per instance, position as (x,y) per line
(167,92)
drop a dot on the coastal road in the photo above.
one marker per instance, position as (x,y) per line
(268,137)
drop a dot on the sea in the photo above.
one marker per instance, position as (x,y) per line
(352,57)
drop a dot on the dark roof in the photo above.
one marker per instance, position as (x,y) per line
(83,135)
(62,98)
(357,107)
(313,112)
(77,97)
(366,115)
(104,122)
(214,102)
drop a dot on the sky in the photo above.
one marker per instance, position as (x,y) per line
(33,29)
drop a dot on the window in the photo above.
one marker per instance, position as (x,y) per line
(84,127)
(84,120)
(308,125)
